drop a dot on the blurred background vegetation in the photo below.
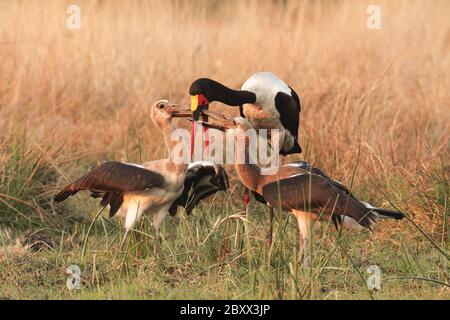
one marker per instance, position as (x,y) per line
(71,98)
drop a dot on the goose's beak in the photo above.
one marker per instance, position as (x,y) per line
(178,111)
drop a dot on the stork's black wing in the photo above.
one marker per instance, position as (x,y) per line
(111,179)
(289,109)
(202,180)
(296,99)
(314,192)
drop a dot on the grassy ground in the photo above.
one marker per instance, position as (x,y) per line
(219,253)
(70,98)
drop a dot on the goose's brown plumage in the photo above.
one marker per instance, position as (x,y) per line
(130,189)
(306,192)
(113,178)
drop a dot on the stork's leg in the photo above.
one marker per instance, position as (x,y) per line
(241,111)
(305,222)
(193,131)
(206,137)
(246,199)
(157,220)
(270,231)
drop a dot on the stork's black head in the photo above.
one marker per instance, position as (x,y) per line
(201,95)
(207,88)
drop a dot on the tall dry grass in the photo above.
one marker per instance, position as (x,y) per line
(86,93)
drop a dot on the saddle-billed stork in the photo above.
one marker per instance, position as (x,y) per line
(157,186)
(306,192)
(264,99)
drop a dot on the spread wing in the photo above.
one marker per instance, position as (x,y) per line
(113,179)
(314,192)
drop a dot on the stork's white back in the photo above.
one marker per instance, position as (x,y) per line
(265,85)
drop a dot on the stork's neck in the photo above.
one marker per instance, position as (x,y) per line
(219,92)
(249,173)
(236,97)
